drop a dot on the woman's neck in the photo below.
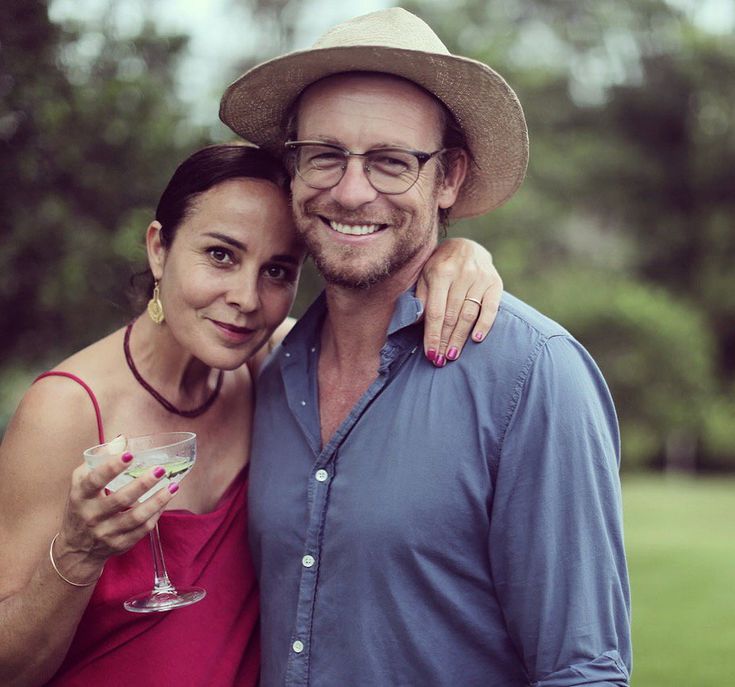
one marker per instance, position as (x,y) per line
(167,366)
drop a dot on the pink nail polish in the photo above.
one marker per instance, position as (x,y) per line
(440,361)
(453,353)
(126,457)
(159,472)
(173,488)
(431,355)
(479,336)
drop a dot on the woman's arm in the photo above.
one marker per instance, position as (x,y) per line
(461,289)
(42,492)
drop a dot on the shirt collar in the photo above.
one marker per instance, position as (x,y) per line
(306,332)
(408,311)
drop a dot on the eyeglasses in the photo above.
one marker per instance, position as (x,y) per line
(388,170)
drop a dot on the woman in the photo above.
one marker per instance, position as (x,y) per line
(225,260)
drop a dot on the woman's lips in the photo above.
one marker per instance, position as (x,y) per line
(233,333)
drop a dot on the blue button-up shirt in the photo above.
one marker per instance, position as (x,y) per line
(463,525)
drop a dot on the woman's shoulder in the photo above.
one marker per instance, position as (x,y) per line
(53,424)
(65,392)
(97,359)
(236,392)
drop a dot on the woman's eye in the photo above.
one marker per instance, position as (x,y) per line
(220,255)
(278,273)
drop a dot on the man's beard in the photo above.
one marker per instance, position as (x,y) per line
(339,276)
(335,268)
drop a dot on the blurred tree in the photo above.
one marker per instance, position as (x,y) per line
(662,404)
(90,130)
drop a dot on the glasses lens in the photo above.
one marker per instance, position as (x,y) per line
(392,170)
(320,166)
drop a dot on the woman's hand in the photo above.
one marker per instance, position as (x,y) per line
(98,525)
(461,290)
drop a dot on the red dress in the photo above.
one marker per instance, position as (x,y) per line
(212,643)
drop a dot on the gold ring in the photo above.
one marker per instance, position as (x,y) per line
(474,300)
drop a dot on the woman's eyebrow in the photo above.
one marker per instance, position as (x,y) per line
(226,239)
(290,259)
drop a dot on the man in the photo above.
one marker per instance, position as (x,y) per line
(411,526)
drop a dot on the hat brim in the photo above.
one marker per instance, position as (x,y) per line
(486,108)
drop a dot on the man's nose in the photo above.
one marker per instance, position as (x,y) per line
(354,189)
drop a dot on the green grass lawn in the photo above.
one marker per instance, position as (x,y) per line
(680,539)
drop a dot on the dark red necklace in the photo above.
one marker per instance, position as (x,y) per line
(194,412)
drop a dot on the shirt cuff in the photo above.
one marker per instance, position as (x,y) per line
(607,670)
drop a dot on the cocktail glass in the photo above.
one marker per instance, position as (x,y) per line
(175,452)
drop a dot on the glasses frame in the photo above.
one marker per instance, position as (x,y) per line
(421,157)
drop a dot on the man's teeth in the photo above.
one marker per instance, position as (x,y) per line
(354,229)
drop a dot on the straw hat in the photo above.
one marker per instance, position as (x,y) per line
(394,41)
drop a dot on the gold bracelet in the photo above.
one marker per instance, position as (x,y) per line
(58,572)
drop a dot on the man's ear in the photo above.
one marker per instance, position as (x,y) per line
(155,248)
(453,178)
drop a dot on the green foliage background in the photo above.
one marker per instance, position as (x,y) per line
(623,230)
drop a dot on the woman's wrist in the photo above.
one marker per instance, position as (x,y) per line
(69,567)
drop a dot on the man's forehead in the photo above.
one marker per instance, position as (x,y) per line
(368,82)
(408,98)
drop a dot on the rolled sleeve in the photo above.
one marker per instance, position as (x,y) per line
(556,541)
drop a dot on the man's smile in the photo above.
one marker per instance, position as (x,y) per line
(354,229)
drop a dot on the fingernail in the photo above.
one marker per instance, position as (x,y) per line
(452,353)
(431,355)
(173,488)
(478,336)
(126,457)
(159,472)
(440,361)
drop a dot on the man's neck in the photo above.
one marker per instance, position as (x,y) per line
(357,320)
(353,333)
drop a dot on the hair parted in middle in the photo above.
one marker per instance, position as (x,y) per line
(198,173)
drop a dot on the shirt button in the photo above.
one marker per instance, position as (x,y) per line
(287,354)
(298,646)
(308,561)
(303,403)
(321,475)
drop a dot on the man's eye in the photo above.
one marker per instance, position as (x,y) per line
(325,160)
(220,255)
(393,164)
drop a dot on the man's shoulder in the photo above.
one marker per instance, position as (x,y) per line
(525,321)
(523,341)
(519,333)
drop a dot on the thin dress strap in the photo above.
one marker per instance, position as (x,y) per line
(85,386)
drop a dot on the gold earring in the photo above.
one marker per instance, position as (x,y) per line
(155,307)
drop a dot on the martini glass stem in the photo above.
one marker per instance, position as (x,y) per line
(161,582)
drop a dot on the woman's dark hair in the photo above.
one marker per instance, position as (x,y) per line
(207,168)
(198,173)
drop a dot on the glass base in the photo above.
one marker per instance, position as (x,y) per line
(165,600)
